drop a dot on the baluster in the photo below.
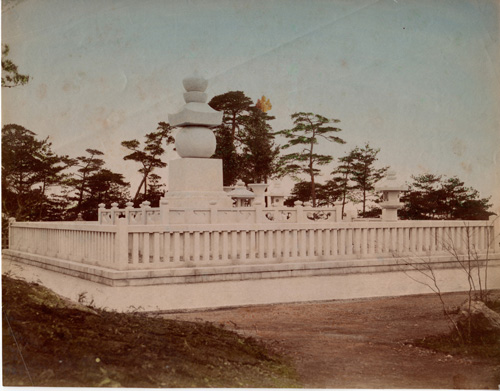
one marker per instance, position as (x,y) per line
(196,246)
(206,246)
(356,241)
(252,248)
(482,235)
(166,247)
(342,241)
(413,240)
(295,242)
(234,246)
(186,237)
(156,248)
(302,250)
(260,243)
(243,248)
(348,241)
(327,243)
(215,247)
(311,249)
(177,247)
(225,247)
(287,244)
(319,245)
(403,240)
(270,244)
(364,241)
(334,240)
(135,248)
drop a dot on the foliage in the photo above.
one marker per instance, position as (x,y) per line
(326,194)
(104,187)
(341,179)
(149,157)
(10,75)
(226,151)
(363,172)
(235,105)
(155,190)
(259,151)
(309,127)
(93,184)
(436,197)
(244,139)
(29,171)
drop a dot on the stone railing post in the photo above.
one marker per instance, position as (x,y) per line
(12,220)
(114,207)
(300,211)
(164,210)
(144,207)
(100,210)
(128,207)
(259,213)
(495,233)
(121,243)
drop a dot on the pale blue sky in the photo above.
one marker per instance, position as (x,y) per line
(418,79)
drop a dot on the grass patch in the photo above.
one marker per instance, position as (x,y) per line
(52,343)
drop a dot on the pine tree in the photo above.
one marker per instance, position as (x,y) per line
(364,173)
(150,155)
(308,129)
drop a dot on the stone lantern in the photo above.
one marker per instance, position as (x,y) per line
(391,190)
(241,195)
(259,189)
(276,196)
(195,180)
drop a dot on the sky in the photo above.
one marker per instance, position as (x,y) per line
(418,79)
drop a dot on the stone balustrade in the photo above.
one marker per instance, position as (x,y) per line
(164,214)
(126,245)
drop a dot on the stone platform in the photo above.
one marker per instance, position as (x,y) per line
(181,289)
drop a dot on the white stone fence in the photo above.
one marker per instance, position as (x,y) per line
(257,214)
(124,246)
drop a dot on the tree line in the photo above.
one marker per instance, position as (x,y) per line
(38,184)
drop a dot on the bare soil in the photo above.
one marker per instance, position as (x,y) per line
(362,343)
(51,342)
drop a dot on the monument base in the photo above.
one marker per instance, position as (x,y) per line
(196,183)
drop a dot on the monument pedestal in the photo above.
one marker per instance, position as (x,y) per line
(196,183)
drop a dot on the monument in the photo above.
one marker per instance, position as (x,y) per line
(195,180)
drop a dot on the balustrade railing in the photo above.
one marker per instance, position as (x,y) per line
(132,246)
(146,215)
(82,243)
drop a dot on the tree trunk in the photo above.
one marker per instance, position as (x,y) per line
(311,173)
(139,188)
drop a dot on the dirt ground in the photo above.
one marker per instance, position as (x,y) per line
(360,343)
(48,341)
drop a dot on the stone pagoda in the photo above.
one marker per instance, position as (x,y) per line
(195,180)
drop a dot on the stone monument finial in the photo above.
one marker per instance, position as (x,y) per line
(195,139)
(195,83)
